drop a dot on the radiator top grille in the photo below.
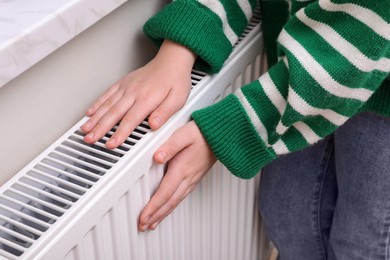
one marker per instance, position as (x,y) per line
(35,202)
(51,186)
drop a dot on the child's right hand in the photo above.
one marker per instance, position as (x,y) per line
(158,90)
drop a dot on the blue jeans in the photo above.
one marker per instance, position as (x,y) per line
(332,200)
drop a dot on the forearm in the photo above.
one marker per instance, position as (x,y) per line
(181,57)
(209,28)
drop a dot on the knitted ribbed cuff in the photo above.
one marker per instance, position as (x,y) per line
(194,26)
(233,138)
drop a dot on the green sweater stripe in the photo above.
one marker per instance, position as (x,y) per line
(379,102)
(294,140)
(280,82)
(236,16)
(319,75)
(238,147)
(291,116)
(296,6)
(318,124)
(381,7)
(336,64)
(202,33)
(350,32)
(263,107)
(272,22)
(299,77)
(321,127)
(254,4)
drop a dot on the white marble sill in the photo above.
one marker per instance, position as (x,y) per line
(32,29)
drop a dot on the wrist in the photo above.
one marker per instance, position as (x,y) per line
(179,55)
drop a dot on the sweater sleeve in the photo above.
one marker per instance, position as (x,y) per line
(334,55)
(210,28)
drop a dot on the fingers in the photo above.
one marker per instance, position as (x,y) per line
(103,104)
(106,117)
(168,207)
(177,142)
(189,158)
(138,112)
(100,101)
(166,109)
(171,192)
(130,113)
(128,108)
(147,91)
(174,185)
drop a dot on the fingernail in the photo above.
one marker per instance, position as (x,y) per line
(90,135)
(144,227)
(161,156)
(90,110)
(153,227)
(157,121)
(111,142)
(87,125)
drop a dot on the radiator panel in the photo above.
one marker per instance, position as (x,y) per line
(207,225)
(78,201)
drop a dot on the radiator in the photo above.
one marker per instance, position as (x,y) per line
(81,201)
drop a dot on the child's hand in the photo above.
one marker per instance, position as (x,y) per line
(158,89)
(190,158)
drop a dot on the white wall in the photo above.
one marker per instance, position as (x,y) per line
(41,104)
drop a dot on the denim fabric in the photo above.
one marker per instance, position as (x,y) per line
(332,200)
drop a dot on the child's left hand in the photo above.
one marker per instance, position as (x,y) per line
(190,158)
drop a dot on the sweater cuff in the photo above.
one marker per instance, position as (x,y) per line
(232,137)
(192,25)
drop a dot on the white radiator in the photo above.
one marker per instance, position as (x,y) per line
(80,201)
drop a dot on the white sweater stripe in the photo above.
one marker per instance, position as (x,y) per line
(219,10)
(344,47)
(246,8)
(310,136)
(285,60)
(259,126)
(366,16)
(273,93)
(318,73)
(281,128)
(280,147)
(302,107)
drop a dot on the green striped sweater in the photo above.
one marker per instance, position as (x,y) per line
(333,58)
